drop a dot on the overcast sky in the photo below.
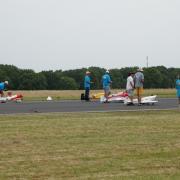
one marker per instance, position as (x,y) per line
(69,34)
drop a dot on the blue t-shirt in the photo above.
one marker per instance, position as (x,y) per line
(106,80)
(87,82)
(2,86)
(178,84)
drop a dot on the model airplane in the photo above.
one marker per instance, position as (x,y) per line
(148,100)
(122,97)
(97,96)
(15,98)
(119,97)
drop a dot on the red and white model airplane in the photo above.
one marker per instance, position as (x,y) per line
(119,97)
(10,97)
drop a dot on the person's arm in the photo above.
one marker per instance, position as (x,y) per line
(110,80)
(5,87)
(132,85)
(142,80)
(134,79)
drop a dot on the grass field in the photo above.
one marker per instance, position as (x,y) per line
(75,94)
(123,145)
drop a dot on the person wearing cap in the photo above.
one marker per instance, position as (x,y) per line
(3,86)
(130,87)
(87,85)
(178,89)
(138,82)
(106,81)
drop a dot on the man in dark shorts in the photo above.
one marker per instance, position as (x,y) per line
(178,89)
(106,80)
(87,85)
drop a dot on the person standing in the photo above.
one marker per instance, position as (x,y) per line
(130,87)
(178,89)
(87,85)
(139,81)
(3,86)
(106,81)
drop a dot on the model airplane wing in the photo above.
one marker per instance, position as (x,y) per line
(149,100)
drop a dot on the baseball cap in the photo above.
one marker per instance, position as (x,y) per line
(140,69)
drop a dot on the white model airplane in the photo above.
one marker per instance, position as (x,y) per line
(15,98)
(122,97)
(148,100)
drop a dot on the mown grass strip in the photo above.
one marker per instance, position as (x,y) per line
(138,145)
(75,94)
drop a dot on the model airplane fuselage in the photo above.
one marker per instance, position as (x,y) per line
(15,98)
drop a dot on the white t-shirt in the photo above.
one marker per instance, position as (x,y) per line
(129,82)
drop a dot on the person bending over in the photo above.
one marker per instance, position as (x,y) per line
(3,87)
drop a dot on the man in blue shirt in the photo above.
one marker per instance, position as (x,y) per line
(87,85)
(178,89)
(106,80)
(3,86)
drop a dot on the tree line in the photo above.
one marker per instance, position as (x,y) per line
(27,79)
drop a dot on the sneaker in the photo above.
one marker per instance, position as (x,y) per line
(130,104)
(106,101)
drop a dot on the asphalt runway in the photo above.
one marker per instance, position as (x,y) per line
(81,106)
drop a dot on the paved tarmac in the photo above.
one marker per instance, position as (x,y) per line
(81,106)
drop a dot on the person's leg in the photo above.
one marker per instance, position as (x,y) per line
(87,94)
(131,96)
(1,93)
(138,95)
(178,95)
(88,90)
(106,93)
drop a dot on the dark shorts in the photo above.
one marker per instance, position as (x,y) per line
(107,89)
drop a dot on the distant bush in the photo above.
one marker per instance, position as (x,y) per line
(27,79)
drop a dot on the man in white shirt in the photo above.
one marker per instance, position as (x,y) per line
(130,87)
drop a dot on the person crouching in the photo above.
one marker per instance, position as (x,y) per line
(3,87)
